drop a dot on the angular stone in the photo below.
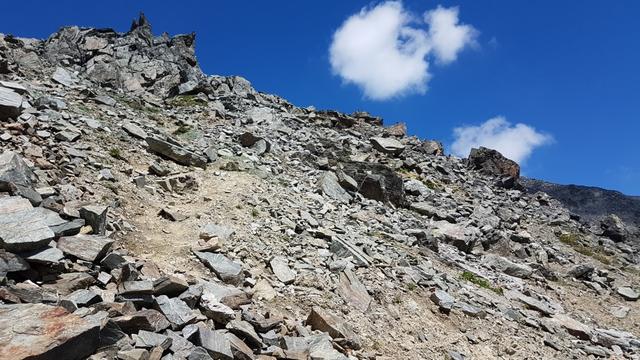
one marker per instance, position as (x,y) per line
(10,103)
(17,178)
(344,248)
(321,320)
(228,295)
(239,349)
(216,343)
(86,247)
(507,266)
(443,300)
(67,135)
(11,263)
(227,270)
(245,331)
(47,256)
(96,217)
(387,145)
(280,268)
(353,291)
(22,227)
(210,231)
(148,319)
(83,297)
(176,153)
(70,282)
(175,310)
(212,308)
(134,130)
(38,331)
(573,327)
(330,186)
(169,285)
(147,339)
(64,77)
(377,181)
(105,100)
(628,293)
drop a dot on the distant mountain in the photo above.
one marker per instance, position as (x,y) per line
(592,203)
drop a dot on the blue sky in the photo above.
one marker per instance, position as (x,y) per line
(567,70)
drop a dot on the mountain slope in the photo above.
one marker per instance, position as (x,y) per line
(151,211)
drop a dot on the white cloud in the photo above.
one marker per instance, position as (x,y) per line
(447,37)
(516,142)
(385,52)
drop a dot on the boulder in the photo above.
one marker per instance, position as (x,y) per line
(387,145)
(176,153)
(10,103)
(17,178)
(330,186)
(613,228)
(86,247)
(227,270)
(96,216)
(282,271)
(21,226)
(491,162)
(38,331)
(377,181)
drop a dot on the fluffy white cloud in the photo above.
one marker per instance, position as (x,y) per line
(385,51)
(516,142)
(447,37)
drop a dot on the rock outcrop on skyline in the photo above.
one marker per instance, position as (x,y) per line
(151,211)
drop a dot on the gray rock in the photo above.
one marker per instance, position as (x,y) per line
(353,291)
(628,293)
(105,100)
(134,130)
(387,145)
(83,297)
(47,256)
(64,77)
(86,247)
(227,270)
(443,300)
(11,263)
(96,217)
(22,227)
(175,310)
(245,331)
(176,153)
(216,343)
(10,103)
(613,228)
(149,320)
(17,178)
(345,248)
(169,285)
(148,339)
(38,331)
(67,135)
(210,231)
(280,267)
(507,266)
(330,186)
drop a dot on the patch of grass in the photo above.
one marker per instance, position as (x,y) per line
(255,212)
(182,129)
(187,101)
(412,286)
(595,252)
(569,238)
(481,282)
(115,153)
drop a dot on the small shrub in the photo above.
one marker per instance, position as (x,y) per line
(255,212)
(115,153)
(187,101)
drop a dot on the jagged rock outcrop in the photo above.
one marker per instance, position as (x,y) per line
(491,162)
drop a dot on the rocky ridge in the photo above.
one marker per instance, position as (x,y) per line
(148,211)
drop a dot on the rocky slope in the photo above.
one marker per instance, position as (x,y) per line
(591,203)
(148,211)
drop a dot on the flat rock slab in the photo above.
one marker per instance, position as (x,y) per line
(387,145)
(10,103)
(227,270)
(134,130)
(176,153)
(38,331)
(281,269)
(21,226)
(86,247)
(353,291)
